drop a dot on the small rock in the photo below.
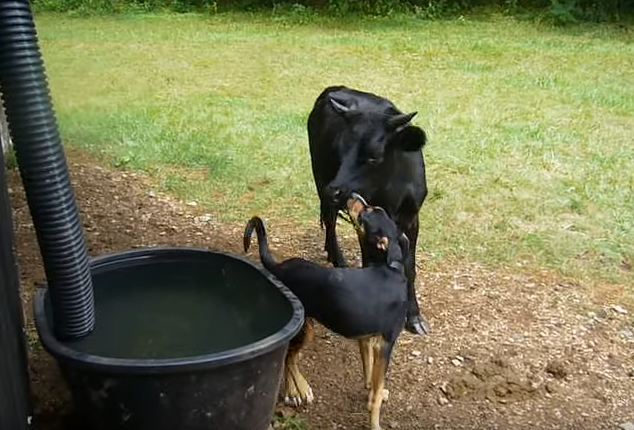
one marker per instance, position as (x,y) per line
(430,360)
(456,362)
(442,401)
(627,334)
(627,426)
(394,425)
(416,353)
(619,309)
(285,411)
(551,387)
(602,314)
(192,203)
(631,373)
(151,194)
(469,361)
(557,369)
(500,361)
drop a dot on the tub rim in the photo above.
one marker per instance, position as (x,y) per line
(66,354)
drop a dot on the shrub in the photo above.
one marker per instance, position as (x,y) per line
(560,11)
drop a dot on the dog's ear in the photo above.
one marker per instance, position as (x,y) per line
(403,243)
(398,250)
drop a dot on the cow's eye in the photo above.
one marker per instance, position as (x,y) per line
(374,161)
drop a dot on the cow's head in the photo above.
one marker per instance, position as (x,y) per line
(369,142)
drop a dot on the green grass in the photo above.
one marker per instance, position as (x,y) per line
(289,423)
(531,152)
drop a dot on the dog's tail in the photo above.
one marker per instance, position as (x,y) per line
(257,224)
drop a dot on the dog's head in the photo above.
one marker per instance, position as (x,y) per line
(378,233)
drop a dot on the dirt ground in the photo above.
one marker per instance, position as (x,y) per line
(508,349)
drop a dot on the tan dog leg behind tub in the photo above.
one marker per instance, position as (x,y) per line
(377,391)
(297,390)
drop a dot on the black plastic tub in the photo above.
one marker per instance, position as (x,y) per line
(184,339)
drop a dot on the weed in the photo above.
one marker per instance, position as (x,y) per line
(289,423)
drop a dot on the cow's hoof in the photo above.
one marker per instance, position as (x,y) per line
(417,324)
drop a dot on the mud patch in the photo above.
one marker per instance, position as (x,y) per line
(496,381)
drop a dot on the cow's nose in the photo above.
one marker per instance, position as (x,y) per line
(335,194)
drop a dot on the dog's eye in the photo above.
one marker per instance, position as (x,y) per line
(374,161)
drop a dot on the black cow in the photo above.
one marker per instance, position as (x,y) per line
(360,142)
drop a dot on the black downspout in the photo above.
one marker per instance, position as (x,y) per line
(44,172)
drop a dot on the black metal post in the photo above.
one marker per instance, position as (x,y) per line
(14,382)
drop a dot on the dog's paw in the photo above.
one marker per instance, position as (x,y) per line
(386,394)
(304,390)
(298,393)
(292,400)
(296,400)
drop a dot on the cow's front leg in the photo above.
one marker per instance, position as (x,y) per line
(329,218)
(416,322)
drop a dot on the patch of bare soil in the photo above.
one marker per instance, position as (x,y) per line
(495,381)
(508,350)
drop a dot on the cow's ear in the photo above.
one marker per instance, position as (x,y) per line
(401,121)
(411,138)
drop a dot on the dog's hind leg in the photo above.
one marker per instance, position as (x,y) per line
(367,359)
(297,390)
(381,350)
(291,395)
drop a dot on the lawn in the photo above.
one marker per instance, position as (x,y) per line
(531,128)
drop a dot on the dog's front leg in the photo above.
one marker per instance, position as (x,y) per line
(380,350)
(367,359)
(298,390)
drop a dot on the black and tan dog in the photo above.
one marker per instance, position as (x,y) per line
(368,304)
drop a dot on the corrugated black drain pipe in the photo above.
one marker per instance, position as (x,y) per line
(44,172)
